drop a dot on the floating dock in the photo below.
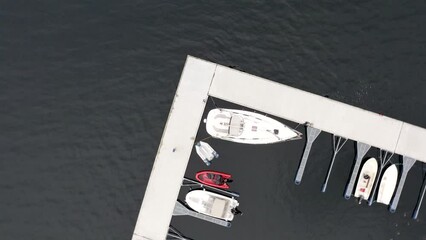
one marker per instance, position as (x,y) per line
(174,150)
(201,79)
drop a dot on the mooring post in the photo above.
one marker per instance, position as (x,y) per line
(337,146)
(422,194)
(407,163)
(362,149)
(311,135)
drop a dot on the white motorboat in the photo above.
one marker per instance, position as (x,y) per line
(387,185)
(247,127)
(366,179)
(212,204)
(206,152)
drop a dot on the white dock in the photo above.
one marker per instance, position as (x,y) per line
(323,113)
(174,151)
(201,79)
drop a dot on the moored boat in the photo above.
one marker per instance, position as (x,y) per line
(206,152)
(387,185)
(212,204)
(366,179)
(214,178)
(247,127)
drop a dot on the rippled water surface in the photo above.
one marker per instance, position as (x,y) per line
(86,87)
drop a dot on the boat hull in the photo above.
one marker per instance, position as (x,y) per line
(247,127)
(387,185)
(213,178)
(366,179)
(212,204)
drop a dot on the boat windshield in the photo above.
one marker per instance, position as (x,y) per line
(221,124)
(236,126)
(227,124)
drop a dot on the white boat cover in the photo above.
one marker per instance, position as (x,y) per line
(211,204)
(387,185)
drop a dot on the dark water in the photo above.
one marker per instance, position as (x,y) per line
(85,90)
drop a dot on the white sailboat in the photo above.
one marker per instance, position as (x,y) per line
(366,179)
(387,185)
(212,204)
(247,127)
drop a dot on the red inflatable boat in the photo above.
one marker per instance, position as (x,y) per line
(214,179)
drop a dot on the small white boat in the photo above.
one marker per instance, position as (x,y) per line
(212,204)
(206,152)
(387,185)
(247,127)
(366,179)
